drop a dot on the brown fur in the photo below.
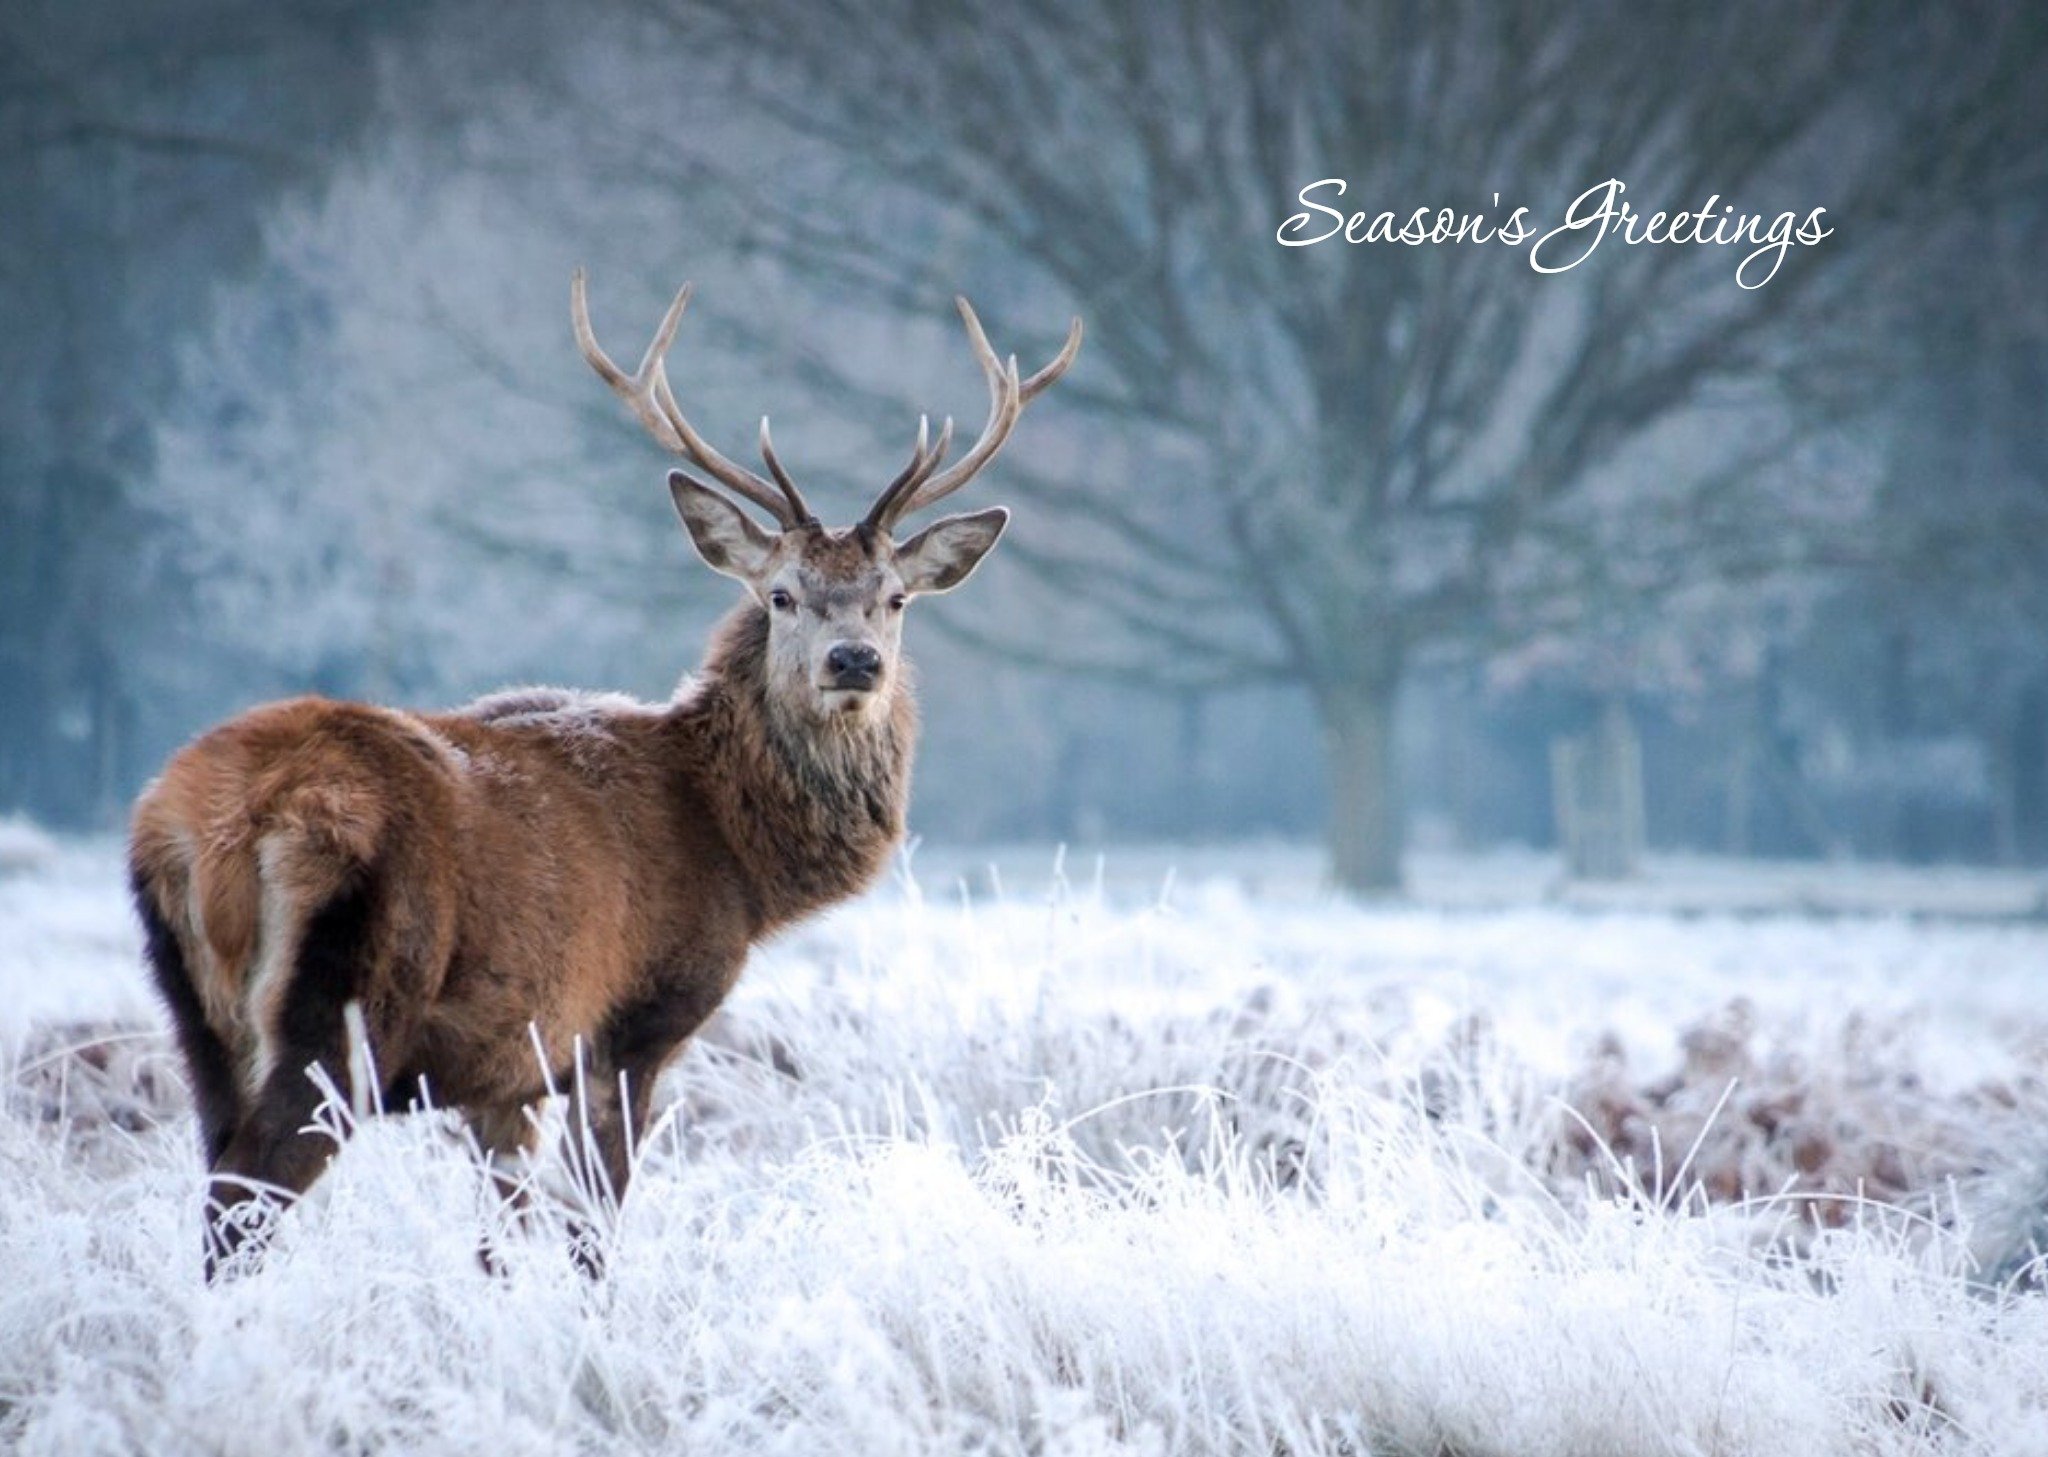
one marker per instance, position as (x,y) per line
(576,868)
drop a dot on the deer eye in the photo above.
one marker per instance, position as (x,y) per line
(780,600)
(896,602)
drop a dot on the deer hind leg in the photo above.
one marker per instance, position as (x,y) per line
(209,1066)
(275,1152)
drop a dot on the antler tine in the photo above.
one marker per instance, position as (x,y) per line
(804,515)
(736,478)
(938,454)
(1050,375)
(636,389)
(1008,394)
(646,391)
(1004,403)
(917,470)
(923,462)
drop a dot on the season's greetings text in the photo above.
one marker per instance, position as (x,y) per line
(1596,215)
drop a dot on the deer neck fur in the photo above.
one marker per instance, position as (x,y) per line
(810,809)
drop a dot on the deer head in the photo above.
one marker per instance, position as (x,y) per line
(834,596)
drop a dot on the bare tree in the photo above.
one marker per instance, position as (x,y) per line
(1352,456)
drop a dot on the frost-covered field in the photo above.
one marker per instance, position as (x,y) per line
(1093,1170)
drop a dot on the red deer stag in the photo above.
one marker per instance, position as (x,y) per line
(574,873)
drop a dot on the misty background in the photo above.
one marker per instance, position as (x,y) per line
(1380,546)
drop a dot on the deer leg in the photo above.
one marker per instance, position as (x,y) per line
(209,1068)
(505,1137)
(275,1153)
(608,1116)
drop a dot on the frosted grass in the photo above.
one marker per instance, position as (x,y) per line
(1068,1175)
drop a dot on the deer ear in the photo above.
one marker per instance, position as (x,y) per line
(940,557)
(728,541)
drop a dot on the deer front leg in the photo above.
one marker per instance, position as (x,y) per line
(612,1099)
(505,1135)
(608,1116)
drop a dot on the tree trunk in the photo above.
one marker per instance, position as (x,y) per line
(2030,770)
(1364,830)
(1738,808)
(2002,753)
(1598,783)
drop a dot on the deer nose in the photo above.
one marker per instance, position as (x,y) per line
(853,665)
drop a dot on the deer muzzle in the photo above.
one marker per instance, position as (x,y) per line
(852,667)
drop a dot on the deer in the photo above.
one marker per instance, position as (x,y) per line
(547,889)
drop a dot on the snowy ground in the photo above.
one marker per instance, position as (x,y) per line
(1094,1162)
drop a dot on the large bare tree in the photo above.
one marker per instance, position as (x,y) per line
(1352,455)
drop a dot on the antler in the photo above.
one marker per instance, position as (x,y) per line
(924,459)
(918,487)
(647,392)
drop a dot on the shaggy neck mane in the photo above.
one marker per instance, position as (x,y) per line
(811,810)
